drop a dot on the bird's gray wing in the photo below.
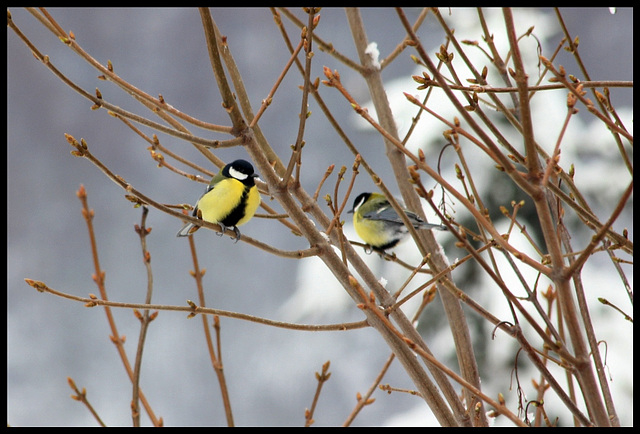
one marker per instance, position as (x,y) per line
(386,213)
(389,215)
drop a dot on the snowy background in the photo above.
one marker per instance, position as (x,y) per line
(269,371)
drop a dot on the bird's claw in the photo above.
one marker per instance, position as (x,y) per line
(224,229)
(237,232)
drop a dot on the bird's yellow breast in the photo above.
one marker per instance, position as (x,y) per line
(371,232)
(226,200)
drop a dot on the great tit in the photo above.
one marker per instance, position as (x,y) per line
(379,225)
(230,200)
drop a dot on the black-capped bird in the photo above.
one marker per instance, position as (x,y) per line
(230,200)
(379,225)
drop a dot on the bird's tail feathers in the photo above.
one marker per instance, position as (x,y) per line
(187,230)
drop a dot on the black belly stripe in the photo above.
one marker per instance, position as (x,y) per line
(389,245)
(238,212)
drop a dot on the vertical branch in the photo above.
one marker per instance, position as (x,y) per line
(453,309)
(228,100)
(495,56)
(98,277)
(215,360)
(245,103)
(145,318)
(524,109)
(584,371)
(322,378)
(307,39)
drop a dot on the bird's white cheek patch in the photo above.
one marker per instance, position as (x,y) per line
(237,174)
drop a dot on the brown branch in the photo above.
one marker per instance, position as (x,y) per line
(322,378)
(144,318)
(195,310)
(81,395)
(98,278)
(216,360)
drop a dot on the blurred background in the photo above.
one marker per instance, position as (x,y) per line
(269,371)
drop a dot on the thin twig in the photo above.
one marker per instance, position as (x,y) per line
(145,318)
(81,395)
(322,378)
(195,310)
(99,280)
(216,361)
